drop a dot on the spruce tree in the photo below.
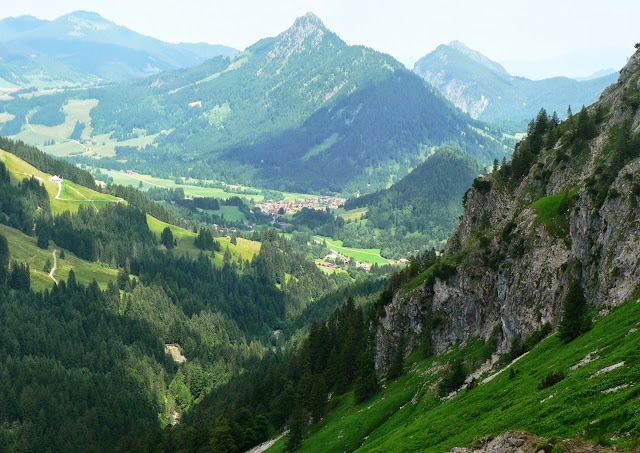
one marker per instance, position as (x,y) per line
(4,259)
(167,238)
(575,319)
(296,429)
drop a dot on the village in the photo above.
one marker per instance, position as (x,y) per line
(282,207)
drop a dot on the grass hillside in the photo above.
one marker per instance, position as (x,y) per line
(23,248)
(244,247)
(72,195)
(597,400)
(364,255)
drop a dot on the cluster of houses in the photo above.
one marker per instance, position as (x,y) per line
(282,207)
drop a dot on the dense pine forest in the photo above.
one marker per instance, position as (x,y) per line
(108,344)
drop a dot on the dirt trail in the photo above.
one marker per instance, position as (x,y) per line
(55,266)
(265,446)
(118,199)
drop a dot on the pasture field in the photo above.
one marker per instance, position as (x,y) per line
(363,255)
(244,248)
(190,188)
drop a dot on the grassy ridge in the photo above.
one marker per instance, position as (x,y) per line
(72,195)
(551,211)
(593,399)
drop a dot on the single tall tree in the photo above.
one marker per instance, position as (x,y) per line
(575,319)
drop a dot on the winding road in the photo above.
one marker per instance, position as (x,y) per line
(55,266)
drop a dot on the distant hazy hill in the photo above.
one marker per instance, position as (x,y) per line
(485,90)
(301,111)
(84,47)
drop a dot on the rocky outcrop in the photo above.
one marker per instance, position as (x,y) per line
(523,442)
(512,267)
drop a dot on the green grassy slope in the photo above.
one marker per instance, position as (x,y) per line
(72,195)
(23,248)
(364,255)
(598,400)
(244,247)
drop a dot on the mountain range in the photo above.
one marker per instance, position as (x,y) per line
(302,111)
(485,90)
(82,47)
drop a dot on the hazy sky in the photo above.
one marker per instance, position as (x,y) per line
(504,30)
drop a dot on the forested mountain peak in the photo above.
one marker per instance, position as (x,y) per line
(77,25)
(13,25)
(82,45)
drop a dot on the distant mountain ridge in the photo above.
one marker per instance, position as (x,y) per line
(485,90)
(94,48)
(302,111)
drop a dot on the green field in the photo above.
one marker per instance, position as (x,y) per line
(353,214)
(23,248)
(244,248)
(190,188)
(230,213)
(96,146)
(72,195)
(595,401)
(364,255)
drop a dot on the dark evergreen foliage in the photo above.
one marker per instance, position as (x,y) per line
(49,114)
(453,379)
(575,317)
(395,370)
(76,134)
(166,238)
(140,201)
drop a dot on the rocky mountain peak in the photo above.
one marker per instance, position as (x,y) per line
(478,57)
(308,19)
(307,31)
(561,211)
(631,67)
(82,22)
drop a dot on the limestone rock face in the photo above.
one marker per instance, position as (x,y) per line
(514,280)
(522,442)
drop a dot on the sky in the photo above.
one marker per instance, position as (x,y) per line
(531,38)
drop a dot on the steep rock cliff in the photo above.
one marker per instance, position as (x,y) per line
(565,207)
